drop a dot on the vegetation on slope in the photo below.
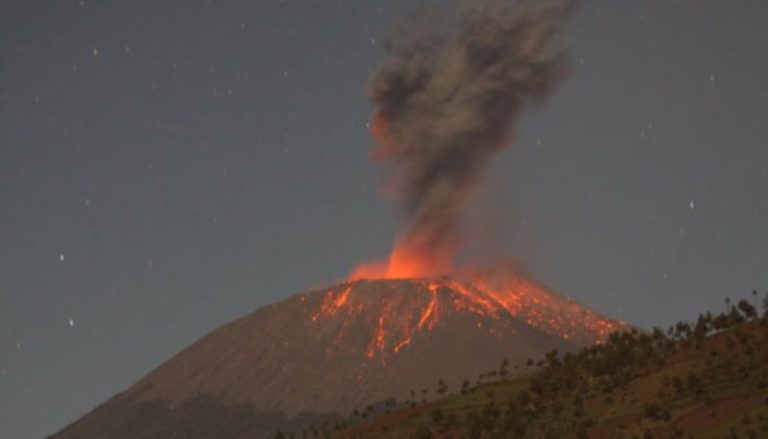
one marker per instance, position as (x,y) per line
(706,379)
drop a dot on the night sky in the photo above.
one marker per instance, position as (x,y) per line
(168,166)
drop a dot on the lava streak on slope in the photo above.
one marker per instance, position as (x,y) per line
(391,322)
(544,309)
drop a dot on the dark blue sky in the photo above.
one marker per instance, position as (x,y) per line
(168,166)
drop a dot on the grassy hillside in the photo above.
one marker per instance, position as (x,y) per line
(707,379)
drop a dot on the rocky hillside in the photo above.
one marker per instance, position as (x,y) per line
(706,379)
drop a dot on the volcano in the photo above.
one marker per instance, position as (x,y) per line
(446,101)
(317,356)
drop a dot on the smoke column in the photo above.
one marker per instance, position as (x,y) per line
(446,101)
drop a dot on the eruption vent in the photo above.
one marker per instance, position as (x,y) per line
(445,103)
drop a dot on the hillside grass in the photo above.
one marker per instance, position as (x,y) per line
(707,379)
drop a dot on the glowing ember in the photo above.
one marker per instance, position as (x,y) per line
(430,311)
(333,301)
(397,320)
(544,309)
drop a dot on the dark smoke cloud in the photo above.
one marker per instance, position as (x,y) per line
(447,101)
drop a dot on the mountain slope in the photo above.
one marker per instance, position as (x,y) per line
(317,356)
(706,380)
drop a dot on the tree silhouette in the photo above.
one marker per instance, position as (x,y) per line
(747,309)
(441,387)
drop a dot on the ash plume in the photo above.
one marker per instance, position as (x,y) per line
(447,100)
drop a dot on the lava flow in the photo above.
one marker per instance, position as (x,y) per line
(498,301)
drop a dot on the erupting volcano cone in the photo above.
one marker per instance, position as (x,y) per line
(319,355)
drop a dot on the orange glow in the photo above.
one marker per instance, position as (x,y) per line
(429,311)
(405,262)
(378,342)
(332,303)
(398,320)
(413,256)
(546,310)
(387,147)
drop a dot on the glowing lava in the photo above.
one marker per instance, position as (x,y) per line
(404,262)
(545,309)
(393,322)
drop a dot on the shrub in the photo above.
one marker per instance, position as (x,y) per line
(423,432)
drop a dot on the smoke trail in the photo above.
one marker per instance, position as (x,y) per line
(446,102)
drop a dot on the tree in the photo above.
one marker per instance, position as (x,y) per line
(465,387)
(747,309)
(441,387)
(504,369)
(552,360)
(765,306)
(682,330)
(703,326)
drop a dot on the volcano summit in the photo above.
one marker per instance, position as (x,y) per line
(446,101)
(319,355)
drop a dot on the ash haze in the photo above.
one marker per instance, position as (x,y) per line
(446,103)
(168,166)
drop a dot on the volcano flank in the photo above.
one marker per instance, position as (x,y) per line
(317,356)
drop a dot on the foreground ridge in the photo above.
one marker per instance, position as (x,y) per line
(707,379)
